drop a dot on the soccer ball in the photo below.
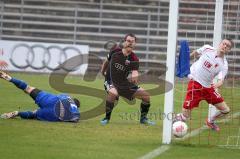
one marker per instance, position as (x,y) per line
(179,128)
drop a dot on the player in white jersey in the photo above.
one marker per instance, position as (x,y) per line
(210,63)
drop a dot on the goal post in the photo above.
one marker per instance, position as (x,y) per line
(218,23)
(217,37)
(170,74)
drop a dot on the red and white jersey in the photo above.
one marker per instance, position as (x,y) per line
(208,66)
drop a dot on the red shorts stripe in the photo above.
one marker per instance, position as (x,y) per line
(196,92)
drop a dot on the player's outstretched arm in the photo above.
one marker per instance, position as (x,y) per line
(218,84)
(194,54)
(104,67)
(134,76)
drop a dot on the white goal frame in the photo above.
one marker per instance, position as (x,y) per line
(171,62)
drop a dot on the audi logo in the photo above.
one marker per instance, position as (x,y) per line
(119,66)
(38,56)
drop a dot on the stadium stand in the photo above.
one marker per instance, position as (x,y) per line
(94,22)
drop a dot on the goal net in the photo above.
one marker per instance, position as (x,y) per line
(196,26)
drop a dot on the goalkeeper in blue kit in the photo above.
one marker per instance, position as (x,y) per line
(51,107)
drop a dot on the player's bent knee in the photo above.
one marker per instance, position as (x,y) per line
(146,98)
(222,107)
(112,96)
(29,89)
(143,95)
(113,92)
(226,110)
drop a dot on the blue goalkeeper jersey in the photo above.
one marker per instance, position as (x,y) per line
(56,107)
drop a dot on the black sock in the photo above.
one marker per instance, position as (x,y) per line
(109,108)
(144,109)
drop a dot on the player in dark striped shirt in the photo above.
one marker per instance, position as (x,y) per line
(122,61)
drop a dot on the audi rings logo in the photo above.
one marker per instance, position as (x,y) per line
(119,66)
(38,56)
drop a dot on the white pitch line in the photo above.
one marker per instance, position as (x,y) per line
(158,151)
(204,127)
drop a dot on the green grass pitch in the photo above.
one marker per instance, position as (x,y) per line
(123,137)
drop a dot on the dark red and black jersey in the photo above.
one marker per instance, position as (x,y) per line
(119,67)
(131,57)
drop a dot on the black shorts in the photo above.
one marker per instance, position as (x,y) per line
(124,92)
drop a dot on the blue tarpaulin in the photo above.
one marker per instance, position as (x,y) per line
(183,62)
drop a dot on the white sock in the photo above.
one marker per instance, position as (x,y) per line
(212,111)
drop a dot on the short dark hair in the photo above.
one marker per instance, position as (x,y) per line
(130,34)
(231,41)
(77,102)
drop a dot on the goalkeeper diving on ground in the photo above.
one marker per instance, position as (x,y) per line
(52,107)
